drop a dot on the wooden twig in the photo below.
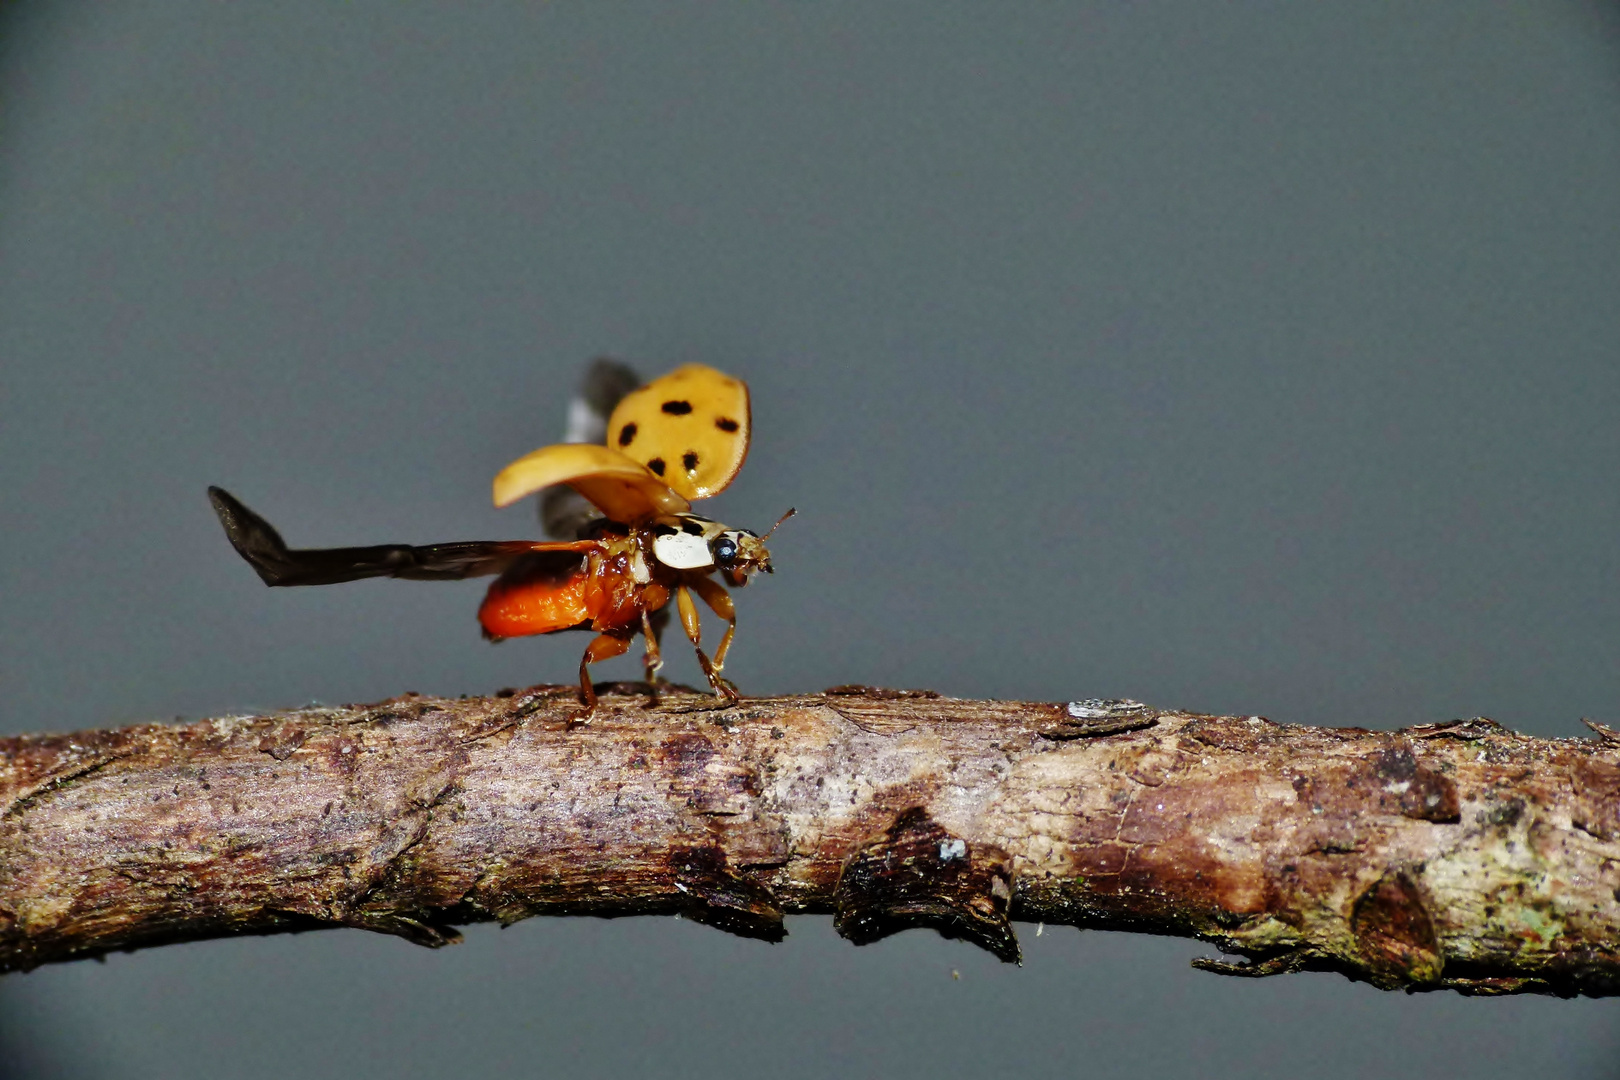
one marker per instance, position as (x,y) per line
(1456,855)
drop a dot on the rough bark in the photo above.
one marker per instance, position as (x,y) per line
(1456,855)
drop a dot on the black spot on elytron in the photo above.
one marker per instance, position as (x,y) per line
(627,433)
(656,465)
(726,423)
(677,408)
(692,527)
(664,530)
(689,460)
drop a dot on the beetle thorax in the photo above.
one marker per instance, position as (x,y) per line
(681,541)
(686,542)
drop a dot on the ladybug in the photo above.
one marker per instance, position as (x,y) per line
(618,495)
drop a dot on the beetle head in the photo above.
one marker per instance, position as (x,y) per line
(740,553)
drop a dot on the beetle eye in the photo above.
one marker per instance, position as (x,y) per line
(725,550)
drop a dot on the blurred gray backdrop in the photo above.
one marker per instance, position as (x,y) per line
(1256,358)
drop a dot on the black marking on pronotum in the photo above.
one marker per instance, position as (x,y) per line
(656,465)
(677,408)
(626,434)
(689,460)
(664,530)
(726,423)
(692,528)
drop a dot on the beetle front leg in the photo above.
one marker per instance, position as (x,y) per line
(715,595)
(689,622)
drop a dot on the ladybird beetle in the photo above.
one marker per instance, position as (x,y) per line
(616,496)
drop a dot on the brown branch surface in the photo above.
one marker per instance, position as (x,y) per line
(1457,856)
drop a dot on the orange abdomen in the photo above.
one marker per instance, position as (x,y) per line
(515,607)
(563,588)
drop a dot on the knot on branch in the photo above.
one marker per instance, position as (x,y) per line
(725,900)
(1395,934)
(919,874)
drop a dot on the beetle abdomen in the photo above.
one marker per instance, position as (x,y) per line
(537,596)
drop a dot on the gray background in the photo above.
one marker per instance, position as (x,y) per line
(1260,359)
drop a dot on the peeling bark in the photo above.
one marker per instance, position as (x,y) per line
(1451,856)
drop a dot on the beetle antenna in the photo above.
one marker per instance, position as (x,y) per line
(784,517)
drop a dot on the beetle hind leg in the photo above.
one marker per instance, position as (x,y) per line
(602,647)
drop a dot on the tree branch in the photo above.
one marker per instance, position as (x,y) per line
(1456,855)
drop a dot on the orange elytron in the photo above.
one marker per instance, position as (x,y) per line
(623,489)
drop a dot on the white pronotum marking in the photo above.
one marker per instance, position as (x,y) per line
(682,551)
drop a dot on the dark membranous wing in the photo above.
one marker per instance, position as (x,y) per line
(565,513)
(257,541)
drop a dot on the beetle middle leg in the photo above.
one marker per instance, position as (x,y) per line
(652,628)
(602,647)
(689,622)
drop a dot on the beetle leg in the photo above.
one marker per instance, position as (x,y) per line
(689,622)
(715,595)
(689,615)
(651,627)
(602,647)
(723,687)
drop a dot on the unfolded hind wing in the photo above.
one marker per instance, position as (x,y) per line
(257,541)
